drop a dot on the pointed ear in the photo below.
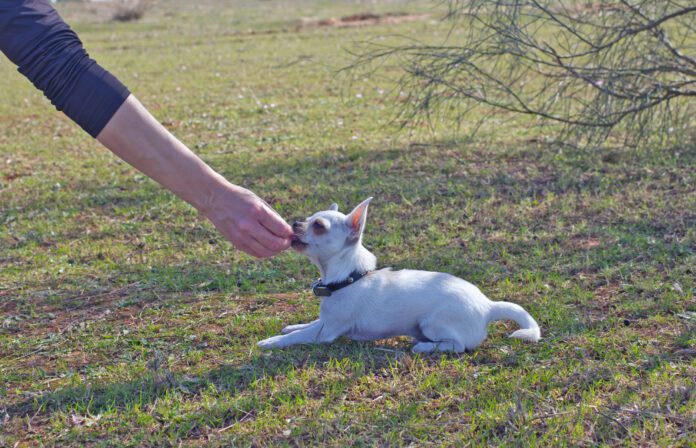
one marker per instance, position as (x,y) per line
(356,219)
(334,207)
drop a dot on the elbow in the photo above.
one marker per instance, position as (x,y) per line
(75,83)
(50,54)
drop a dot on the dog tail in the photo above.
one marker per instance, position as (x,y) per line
(505,310)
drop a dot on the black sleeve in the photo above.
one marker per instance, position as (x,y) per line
(49,53)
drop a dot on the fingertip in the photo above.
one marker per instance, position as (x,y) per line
(275,224)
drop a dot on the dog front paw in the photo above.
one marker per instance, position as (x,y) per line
(269,343)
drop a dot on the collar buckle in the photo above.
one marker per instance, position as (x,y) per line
(321,291)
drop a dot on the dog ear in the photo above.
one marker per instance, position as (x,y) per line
(334,207)
(356,219)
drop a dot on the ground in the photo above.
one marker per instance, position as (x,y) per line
(128,321)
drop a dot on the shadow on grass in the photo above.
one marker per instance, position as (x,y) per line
(420,175)
(426,169)
(160,381)
(365,360)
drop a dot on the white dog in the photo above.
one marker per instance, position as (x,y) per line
(440,311)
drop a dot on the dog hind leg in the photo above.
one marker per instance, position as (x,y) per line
(439,337)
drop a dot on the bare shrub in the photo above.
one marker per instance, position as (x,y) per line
(130,10)
(601,68)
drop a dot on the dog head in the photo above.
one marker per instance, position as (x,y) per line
(330,232)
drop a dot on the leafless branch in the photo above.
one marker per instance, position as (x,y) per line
(599,67)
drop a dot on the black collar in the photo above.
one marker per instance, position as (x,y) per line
(321,290)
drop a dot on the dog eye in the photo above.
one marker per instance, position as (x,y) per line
(318,225)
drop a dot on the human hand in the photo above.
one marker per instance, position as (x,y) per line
(248,222)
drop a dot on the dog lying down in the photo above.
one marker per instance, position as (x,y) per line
(441,312)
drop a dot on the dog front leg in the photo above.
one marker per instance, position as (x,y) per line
(315,333)
(291,328)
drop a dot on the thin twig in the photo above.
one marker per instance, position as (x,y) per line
(550,415)
(609,417)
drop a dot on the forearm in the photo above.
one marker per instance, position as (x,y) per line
(137,137)
(243,218)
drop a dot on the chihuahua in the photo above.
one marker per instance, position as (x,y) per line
(439,311)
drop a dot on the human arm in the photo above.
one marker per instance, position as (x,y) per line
(51,56)
(241,216)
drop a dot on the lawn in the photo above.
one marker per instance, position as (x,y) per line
(127,320)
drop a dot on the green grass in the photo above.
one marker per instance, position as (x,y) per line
(128,321)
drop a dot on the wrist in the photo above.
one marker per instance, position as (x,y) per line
(207,198)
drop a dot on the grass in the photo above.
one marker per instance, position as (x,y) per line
(128,321)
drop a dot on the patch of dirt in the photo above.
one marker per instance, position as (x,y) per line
(105,305)
(278,302)
(106,10)
(361,19)
(588,243)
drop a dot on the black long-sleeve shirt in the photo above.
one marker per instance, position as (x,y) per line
(49,53)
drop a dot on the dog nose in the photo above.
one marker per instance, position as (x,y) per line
(297,226)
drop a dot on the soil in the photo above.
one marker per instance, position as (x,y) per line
(361,19)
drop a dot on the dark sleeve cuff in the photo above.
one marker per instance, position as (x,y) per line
(93,99)
(50,54)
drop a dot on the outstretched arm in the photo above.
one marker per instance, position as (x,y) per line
(241,216)
(49,53)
